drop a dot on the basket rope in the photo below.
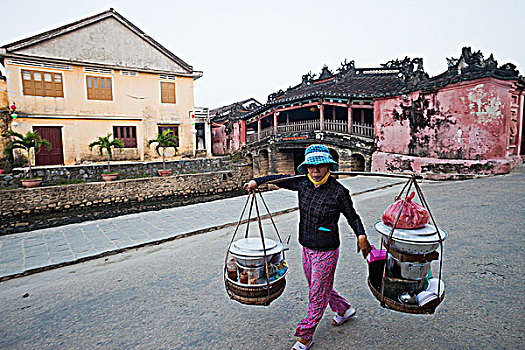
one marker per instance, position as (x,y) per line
(253,200)
(408,186)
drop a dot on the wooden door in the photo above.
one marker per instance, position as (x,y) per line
(55,155)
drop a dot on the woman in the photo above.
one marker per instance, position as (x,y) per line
(321,201)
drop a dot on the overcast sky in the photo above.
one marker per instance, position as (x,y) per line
(253,48)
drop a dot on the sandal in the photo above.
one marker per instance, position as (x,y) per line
(300,346)
(339,320)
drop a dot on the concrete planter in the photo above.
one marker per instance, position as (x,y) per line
(110,177)
(164,172)
(30,183)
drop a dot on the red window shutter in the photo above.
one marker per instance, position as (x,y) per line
(99,88)
(57,79)
(108,96)
(163,93)
(171,93)
(167,92)
(28,85)
(49,88)
(89,86)
(39,83)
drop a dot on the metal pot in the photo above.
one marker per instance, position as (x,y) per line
(255,261)
(418,241)
(409,270)
(249,252)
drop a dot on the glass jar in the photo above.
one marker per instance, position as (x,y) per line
(231,267)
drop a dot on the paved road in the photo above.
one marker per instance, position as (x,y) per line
(171,296)
(34,251)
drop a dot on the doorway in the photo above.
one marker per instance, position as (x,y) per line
(55,155)
(298,158)
(200,137)
(357,162)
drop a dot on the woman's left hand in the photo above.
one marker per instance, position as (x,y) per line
(363,245)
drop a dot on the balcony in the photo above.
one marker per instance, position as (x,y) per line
(338,126)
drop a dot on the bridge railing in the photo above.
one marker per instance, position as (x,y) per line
(339,126)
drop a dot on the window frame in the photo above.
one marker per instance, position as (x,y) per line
(167,100)
(45,87)
(129,141)
(161,128)
(105,94)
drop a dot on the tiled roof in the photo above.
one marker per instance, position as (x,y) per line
(393,78)
(234,110)
(32,40)
(361,84)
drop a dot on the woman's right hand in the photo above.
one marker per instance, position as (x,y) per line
(363,245)
(250,186)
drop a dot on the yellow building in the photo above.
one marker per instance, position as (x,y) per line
(96,76)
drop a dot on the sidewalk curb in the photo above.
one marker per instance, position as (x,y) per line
(161,241)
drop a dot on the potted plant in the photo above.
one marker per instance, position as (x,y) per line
(31,140)
(104,143)
(164,140)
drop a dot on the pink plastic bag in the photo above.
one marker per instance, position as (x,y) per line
(414,215)
(376,254)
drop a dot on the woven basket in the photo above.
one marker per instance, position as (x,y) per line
(391,289)
(262,294)
(255,295)
(407,308)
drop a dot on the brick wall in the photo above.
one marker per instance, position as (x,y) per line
(25,203)
(58,175)
(284,162)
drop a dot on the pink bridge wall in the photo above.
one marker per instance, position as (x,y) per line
(467,128)
(463,121)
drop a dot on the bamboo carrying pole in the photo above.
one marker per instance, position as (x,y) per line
(353,173)
(412,181)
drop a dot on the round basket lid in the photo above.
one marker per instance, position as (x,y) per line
(426,234)
(253,247)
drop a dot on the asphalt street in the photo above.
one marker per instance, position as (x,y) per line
(172,296)
(29,252)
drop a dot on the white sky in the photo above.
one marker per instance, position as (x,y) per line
(253,48)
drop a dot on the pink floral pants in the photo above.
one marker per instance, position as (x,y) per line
(319,268)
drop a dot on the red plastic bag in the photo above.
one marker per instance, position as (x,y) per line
(414,215)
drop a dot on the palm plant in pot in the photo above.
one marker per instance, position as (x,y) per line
(105,143)
(164,140)
(31,140)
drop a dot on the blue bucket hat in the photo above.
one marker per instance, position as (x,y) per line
(317,154)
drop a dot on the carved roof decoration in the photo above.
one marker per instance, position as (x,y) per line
(472,65)
(392,78)
(234,111)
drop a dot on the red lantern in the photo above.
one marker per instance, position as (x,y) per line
(13,107)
